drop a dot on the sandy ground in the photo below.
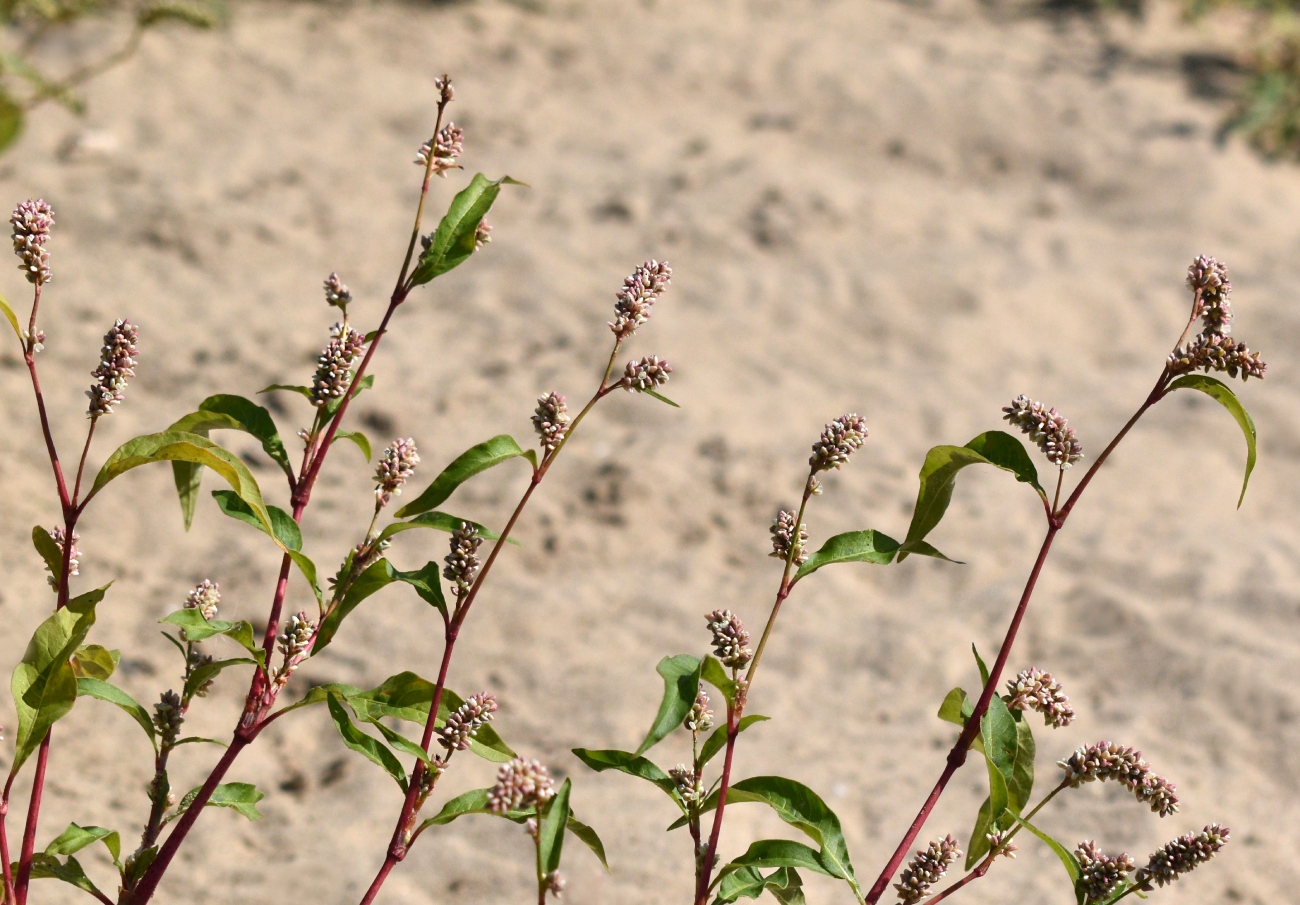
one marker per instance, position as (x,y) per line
(914,211)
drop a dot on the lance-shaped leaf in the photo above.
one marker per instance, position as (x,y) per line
(1067,858)
(180,446)
(856,546)
(956,708)
(365,745)
(208,671)
(454,240)
(75,838)
(1220,393)
(224,412)
(476,802)
(1021,784)
(43,685)
(681,676)
(377,576)
(238,796)
(785,884)
(554,818)
(999,742)
(713,672)
(717,739)
(102,690)
(939,474)
(283,530)
(633,765)
(197,628)
(440,521)
(4,304)
(360,439)
(474,460)
(776,853)
(427,582)
(48,867)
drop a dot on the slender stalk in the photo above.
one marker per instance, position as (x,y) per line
(711,853)
(971,877)
(4,842)
(33,815)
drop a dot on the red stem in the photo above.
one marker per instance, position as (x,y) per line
(706,869)
(33,815)
(969,878)
(4,841)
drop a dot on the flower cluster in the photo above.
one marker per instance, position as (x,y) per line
(699,718)
(194,660)
(205,598)
(730,640)
(1212,349)
(1036,690)
(466,721)
(999,847)
(926,868)
(334,366)
(839,440)
(1100,874)
(116,364)
(689,786)
(462,562)
(336,291)
(446,148)
(396,464)
(1109,762)
(482,234)
(521,784)
(168,714)
(1182,856)
(293,644)
(74,558)
(32,221)
(649,373)
(555,883)
(784,538)
(1046,427)
(637,298)
(551,420)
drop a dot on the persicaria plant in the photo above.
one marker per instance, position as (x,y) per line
(707,694)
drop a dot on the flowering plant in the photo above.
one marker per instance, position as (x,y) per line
(60,666)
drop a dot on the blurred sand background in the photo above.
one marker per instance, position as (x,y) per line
(914,211)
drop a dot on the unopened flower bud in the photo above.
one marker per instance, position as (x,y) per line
(1099,874)
(462,562)
(784,538)
(649,373)
(482,234)
(116,364)
(74,559)
(637,297)
(446,148)
(521,784)
(1182,856)
(396,464)
(1000,848)
(205,598)
(1208,278)
(333,375)
(555,883)
(1046,427)
(337,293)
(840,439)
(465,722)
(551,420)
(688,786)
(730,640)
(1034,689)
(31,222)
(1107,762)
(1216,352)
(446,93)
(699,718)
(168,716)
(294,643)
(926,868)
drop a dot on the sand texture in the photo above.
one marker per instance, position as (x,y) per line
(912,211)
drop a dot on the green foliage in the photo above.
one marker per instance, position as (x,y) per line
(473,461)
(784,884)
(97,688)
(633,765)
(365,745)
(1222,394)
(95,662)
(454,240)
(717,739)
(195,628)
(237,796)
(378,575)
(476,802)
(553,818)
(681,676)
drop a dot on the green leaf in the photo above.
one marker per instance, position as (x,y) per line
(357,388)
(956,708)
(979,661)
(75,838)
(476,802)
(43,685)
(238,796)
(8,311)
(97,688)
(196,739)
(1020,785)
(554,819)
(179,446)
(1220,392)
(633,765)
(196,628)
(360,439)
(49,551)
(47,867)
(195,13)
(856,546)
(777,853)
(979,846)
(588,838)
(653,395)
(717,739)
(786,886)
(939,474)
(474,460)
(784,883)
(1070,862)
(681,676)
(371,748)
(713,672)
(400,742)
(454,240)
(208,671)
(283,528)
(11,126)
(378,575)
(1001,740)
(440,521)
(427,582)
(290,388)
(95,661)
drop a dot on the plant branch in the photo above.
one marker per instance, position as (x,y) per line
(33,815)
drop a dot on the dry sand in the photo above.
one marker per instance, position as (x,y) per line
(911,211)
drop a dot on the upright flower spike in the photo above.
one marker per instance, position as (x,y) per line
(1048,428)
(31,222)
(294,643)
(730,639)
(1208,280)
(1099,874)
(1107,762)
(465,722)
(446,148)
(688,786)
(1182,856)
(783,538)
(649,373)
(522,783)
(926,868)
(839,440)
(337,293)
(396,464)
(636,299)
(699,718)
(1036,690)
(116,364)
(463,562)
(205,597)
(1217,352)
(74,560)
(333,375)
(168,714)
(551,420)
